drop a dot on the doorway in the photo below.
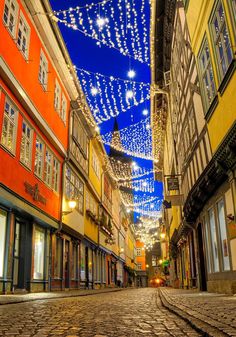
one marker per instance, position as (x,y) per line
(202,268)
(19,256)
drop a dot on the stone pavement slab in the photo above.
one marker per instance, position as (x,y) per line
(28,297)
(213,314)
(131,313)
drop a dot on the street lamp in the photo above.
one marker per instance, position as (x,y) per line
(72,204)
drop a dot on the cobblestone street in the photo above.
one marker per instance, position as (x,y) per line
(135,312)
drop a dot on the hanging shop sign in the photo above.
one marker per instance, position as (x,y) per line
(33,190)
(173,183)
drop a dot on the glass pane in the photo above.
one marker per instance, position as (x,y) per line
(82,263)
(3,221)
(214,240)
(39,254)
(223,235)
(207,247)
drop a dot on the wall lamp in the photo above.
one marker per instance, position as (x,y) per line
(72,205)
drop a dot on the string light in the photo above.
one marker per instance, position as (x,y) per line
(131,73)
(130,39)
(145,112)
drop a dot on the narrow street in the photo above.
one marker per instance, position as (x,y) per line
(135,312)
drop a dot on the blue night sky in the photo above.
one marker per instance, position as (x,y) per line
(86,54)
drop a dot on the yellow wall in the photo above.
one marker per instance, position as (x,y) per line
(198,16)
(95,181)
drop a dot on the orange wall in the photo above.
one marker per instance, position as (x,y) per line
(27,74)
(141,259)
(13,174)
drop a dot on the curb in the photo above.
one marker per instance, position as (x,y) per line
(62,296)
(199,325)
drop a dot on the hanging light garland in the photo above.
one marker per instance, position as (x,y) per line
(108,96)
(113,23)
(142,185)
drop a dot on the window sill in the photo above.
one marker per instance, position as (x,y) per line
(12,154)
(227,77)
(211,108)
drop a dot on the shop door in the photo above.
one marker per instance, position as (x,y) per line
(19,280)
(202,270)
(67,265)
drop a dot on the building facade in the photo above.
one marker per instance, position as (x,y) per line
(50,156)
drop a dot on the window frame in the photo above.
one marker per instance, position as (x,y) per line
(216,37)
(26,52)
(23,160)
(42,231)
(202,72)
(42,154)
(43,59)
(6,24)
(57,97)
(3,238)
(63,110)
(15,124)
(74,189)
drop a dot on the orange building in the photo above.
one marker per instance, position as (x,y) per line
(141,278)
(34,109)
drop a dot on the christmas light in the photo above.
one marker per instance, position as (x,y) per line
(129,94)
(94,91)
(131,73)
(145,112)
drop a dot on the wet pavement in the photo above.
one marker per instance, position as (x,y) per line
(132,312)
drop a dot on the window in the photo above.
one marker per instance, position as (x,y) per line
(9,126)
(154,261)
(39,158)
(95,164)
(58,258)
(26,144)
(10,15)
(139,252)
(206,75)
(79,135)
(55,175)
(3,223)
(221,41)
(223,235)
(90,264)
(23,37)
(48,167)
(75,189)
(43,70)
(139,266)
(39,243)
(91,204)
(214,244)
(233,2)
(57,97)
(63,108)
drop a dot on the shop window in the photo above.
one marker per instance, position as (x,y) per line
(26,144)
(90,264)
(206,75)
(58,258)
(82,263)
(3,223)
(9,127)
(233,2)
(39,247)
(223,235)
(43,70)
(214,244)
(221,41)
(63,108)
(10,15)
(208,246)
(57,97)
(154,261)
(74,260)
(39,158)
(23,37)
(74,189)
